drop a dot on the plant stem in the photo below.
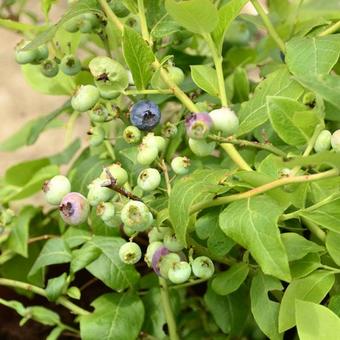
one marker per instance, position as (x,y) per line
(235,156)
(263,188)
(331,29)
(109,149)
(137,92)
(143,24)
(109,13)
(314,229)
(242,142)
(166,176)
(269,26)
(219,70)
(39,291)
(41,238)
(188,284)
(165,300)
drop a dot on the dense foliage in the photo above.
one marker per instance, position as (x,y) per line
(204,202)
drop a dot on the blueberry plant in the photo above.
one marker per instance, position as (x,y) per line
(204,200)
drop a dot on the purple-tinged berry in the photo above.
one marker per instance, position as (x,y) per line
(179,272)
(56,188)
(150,251)
(198,125)
(323,141)
(180,165)
(201,147)
(85,98)
(149,179)
(74,208)
(130,253)
(106,211)
(145,115)
(203,267)
(225,120)
(158,254)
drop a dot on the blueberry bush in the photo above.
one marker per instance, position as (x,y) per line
(204,200)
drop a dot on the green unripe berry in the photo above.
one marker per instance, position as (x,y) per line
(72,25)
(309,99)
(88,23)
(150,251)
(147,154)
(70,65)
(132,134)
(180,272)
(117,172)
(136,215)
(149,179)
(159,141)
(42,53)
(49,68)
(85,98)
(169,130)
(225,120)
(106,211)
(335,140)
(171,242)
(323,142)
(128,231)
(25,57)
(6,217)
(130,253)
(180,165)
(100,114)
(97,193)
(203,267)
(56,188)
(201,147)
(97,134)
(166,262)
(119,9)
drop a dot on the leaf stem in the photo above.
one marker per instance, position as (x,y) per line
(109,149)
(263,188)
(235,156)
(165,300)
(219,70)
(109,13)
(242,142)
(269,26)
(331,29)
(314,229)
(188,284)
(39,291)
(166,176)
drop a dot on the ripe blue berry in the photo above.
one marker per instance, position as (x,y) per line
(85,98)
(149,179)
(145,115)
(225,120)
(49,68)
(74,208)
(323,142)
(106,211)
(179,272)
(97,193)
(130,253)
(56,188)
(201,147)
(117,172)
(171,242)
(203,267)
(132,134)
(198,125)
(147,153)
(180,165)
(136,215)
(70,65)
(335,140)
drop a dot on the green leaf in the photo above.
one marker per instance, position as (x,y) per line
(108,267)
(46,6)
(18,238)
(303,267)
(65,156)
(139,57)
(230,311)
(116,316)
(207,227)
(316,322)
(312,288)
(334,304)
(16,305)
(284,115)
(205,77)
(230,280)
(43,315)
(198,16)
(164,27)
(312,55)
(84,256)
(55,333)
(254,112)
(226,14)
(20,26)
(328,215)
(333,246)
(56,287)
(189,190)
(253,224)
(265,311)
(297,246)
(55,251)
(75,237)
